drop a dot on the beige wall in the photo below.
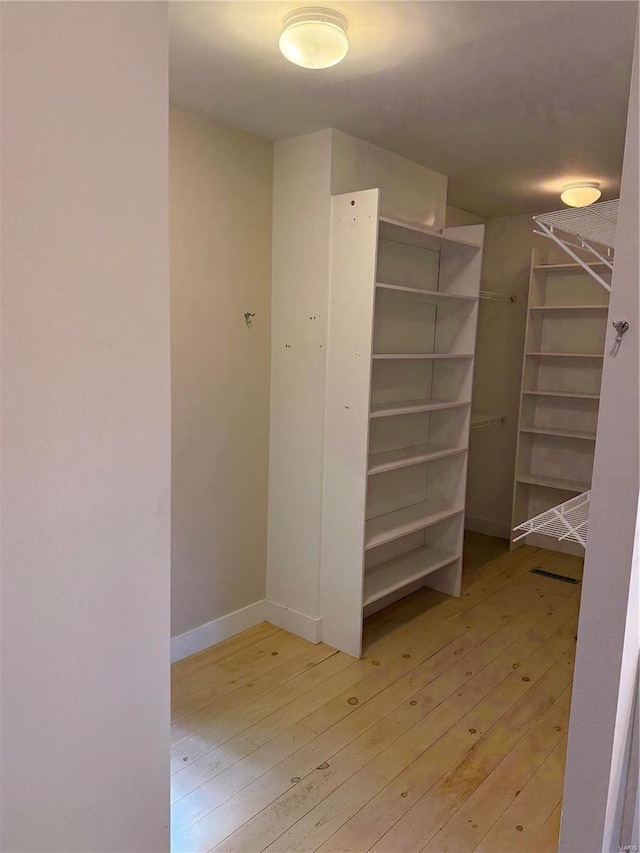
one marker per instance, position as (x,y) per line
(455,216)
(498,370)
(220,235)
(85,428)
(498,366)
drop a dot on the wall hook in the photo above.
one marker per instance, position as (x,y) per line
(247,318)
(621,326)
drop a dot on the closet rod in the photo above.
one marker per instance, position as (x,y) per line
(488,421)
(497,297)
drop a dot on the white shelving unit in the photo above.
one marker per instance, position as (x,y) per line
(402,325)
(562,371)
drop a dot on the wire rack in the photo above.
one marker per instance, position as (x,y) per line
(567,521)
(596,223)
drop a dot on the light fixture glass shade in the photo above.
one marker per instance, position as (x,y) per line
(315,37)
(581,193)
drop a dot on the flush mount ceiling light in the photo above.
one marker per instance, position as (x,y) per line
(315,37)
(580,193)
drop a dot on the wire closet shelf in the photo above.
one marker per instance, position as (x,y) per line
(567,521)
(593,227)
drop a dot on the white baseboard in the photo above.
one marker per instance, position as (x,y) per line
(307,627)
(219,629)
(487,526)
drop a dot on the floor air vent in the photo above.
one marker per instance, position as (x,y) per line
(554,576)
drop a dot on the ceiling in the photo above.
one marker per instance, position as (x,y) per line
(510,99)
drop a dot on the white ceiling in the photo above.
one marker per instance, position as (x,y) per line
(510,99)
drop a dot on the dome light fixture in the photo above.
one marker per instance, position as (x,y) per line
(314,37)
(580,193)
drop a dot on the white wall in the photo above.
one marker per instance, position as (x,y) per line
(220,214)
(498,366)
(307,170)
(301,221)
(85,428)
(607,653)
(455,216)
(498,371)
(408,190)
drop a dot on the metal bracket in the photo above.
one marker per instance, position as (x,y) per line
(547,231)
(621,326)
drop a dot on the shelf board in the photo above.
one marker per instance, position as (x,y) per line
(566,394)
(568,266)
(395,574)
(404,458)
(426,295)
(401,522)
(561,483)
(566,354)
(568,308)
(408,407)
(561,433)
(418,235)
(414,356)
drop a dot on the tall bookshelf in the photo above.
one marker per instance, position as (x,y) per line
(402,326)
(560,392)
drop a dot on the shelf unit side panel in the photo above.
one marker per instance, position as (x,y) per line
(354,233)
(529,376)
(460,272)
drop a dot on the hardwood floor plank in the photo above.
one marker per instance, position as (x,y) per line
(408,835)
(207,730)
(220,788)
(215,654)
(448,730)
(320,823)
(382,730)
(505,634)
(253,681)
(244,663)
(475,817)
(520,827)
(480,550)
(500,684)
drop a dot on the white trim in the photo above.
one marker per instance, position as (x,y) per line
(217,630)
(487,526)
(307,627)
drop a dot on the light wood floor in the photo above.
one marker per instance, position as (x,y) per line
(449,734)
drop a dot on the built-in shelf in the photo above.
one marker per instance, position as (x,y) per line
(419,235)
(409,407)
(568,267)
(561,483)
(560,433)
(414,356)
(421,293)
(575,308)
(395,574)
(401,343)
(401,522)
(566,394)
(407,456)
(565,354)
